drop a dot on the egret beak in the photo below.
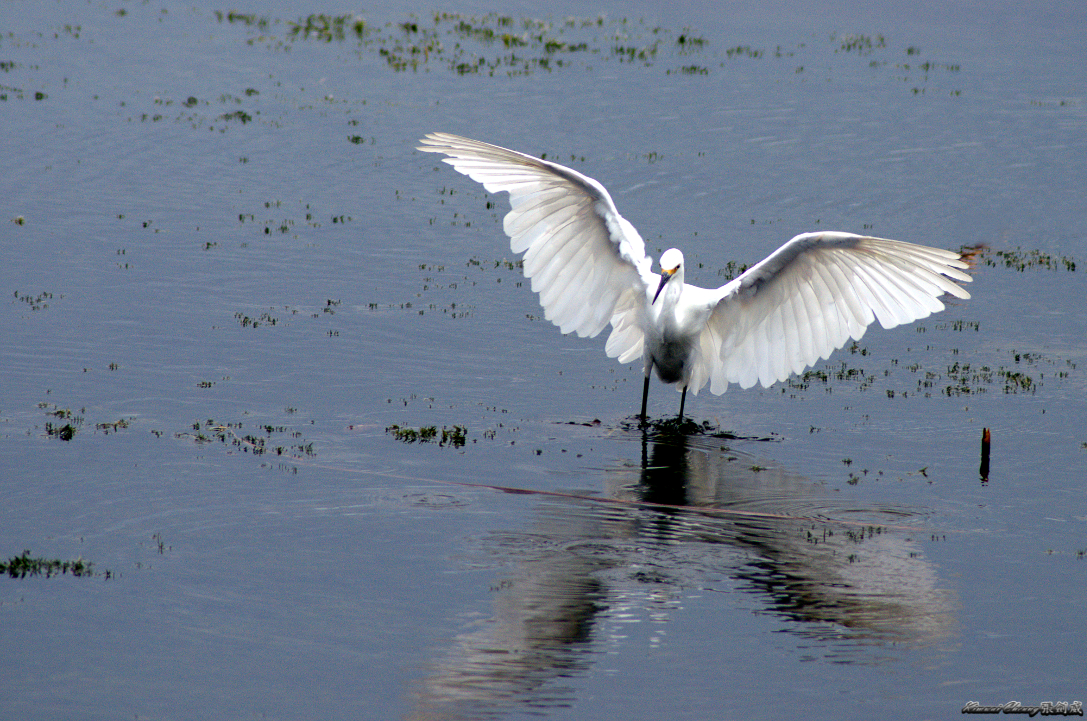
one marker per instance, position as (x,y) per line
(666,275)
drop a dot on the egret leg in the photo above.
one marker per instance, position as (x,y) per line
(645,396)
(682,400)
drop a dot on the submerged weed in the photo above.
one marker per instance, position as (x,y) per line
(1022,260)
(327,28)
(64,423)
(65,431)
(35,302)
(258,443)
(861,44)
(239,115)
(112,427)
(264,318)
(455,436)
(25,565)
(496,44)
(743,51)
(732,269)
(251,19)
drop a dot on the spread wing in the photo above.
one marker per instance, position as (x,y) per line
(587,263)
(810,297)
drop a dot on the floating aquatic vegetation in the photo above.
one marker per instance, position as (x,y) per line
(743,51)
(454,437)
(192,111)
(35,302)
(64,423)
(258,443)
(686,41)
(1021,259)
(307,217)
(251,19)
(1062,103)
(282,315)
(64,432)
(1024,374)
(67,422)
(25,565)
(239,115)
(928,65)
(862,44)
(959,325)
(732,269)
(327,27)
(112,427)
(497,44)
(490,44)
(693,70)
(264,318)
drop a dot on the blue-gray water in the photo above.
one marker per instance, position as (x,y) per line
(227,273)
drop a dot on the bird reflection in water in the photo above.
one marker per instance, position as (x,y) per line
(694,513)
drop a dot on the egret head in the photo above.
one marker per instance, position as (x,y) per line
(671,267)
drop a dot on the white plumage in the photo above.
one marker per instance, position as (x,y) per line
(589,267)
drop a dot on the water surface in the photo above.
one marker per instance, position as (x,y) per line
(228,273)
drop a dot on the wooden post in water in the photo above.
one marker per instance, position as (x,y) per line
(984,470)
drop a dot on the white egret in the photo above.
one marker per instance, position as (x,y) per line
(804,301)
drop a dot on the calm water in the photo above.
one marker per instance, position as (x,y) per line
(228,273)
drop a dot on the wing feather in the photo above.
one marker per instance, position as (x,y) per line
(586,262)
(812,296)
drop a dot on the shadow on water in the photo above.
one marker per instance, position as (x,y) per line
(692,516)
